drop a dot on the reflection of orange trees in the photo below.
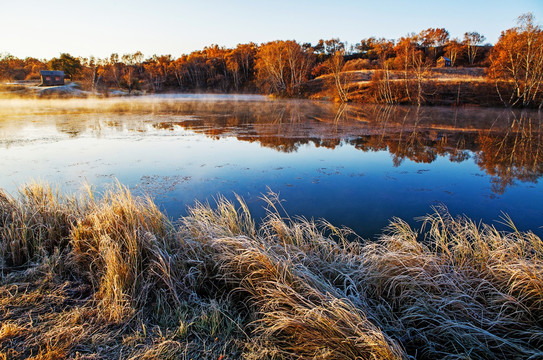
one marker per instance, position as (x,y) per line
(407,133)
(508,145)
(514,155)
(417,146)
(282,144)
(413,148)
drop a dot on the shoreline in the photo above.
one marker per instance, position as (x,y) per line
(450,90)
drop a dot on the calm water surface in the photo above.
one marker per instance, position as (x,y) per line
(357,166)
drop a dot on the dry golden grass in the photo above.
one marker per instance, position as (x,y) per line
(115,246)
(36,224)
(9,330)
(111,277)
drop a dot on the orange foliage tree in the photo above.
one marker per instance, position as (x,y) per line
(131,71)
(240,64)
(433,40)
(334,64)
(282,66)
(12,68)
(157,69)
(410,58)
(518,59)
(453,48)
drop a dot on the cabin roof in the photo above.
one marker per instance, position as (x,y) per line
(51,73)
(445,58)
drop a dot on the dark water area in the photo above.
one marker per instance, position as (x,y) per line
(353,165)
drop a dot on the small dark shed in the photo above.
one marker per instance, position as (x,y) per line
(52,78)
(443,62)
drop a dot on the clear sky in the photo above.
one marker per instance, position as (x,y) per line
(45,28)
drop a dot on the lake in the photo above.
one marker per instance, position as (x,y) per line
(353,165)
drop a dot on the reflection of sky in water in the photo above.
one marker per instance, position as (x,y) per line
(344,185)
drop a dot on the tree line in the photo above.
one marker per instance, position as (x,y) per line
(282,67)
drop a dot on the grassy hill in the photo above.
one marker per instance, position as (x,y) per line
(439,86)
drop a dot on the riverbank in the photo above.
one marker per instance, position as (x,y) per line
(33,90)
(435,87)
(111,277)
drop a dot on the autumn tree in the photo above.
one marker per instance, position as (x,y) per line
(282,66)
(195,64)
(405,49)
(383,49)
(433,39)
(91,71)
(178,68)
(332,46)
(12,68)
(157,70)
(4,65)
(334,64)
(411,59)
(518,59)
(30,68)
(240,64)
(67,63)
(472,41)
(112,70)
(365,46)
(319,48)
(130,78)
(420,66)
(452,49)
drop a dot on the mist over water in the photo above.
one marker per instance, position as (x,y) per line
(357,166)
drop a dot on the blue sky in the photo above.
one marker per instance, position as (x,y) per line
(44,29)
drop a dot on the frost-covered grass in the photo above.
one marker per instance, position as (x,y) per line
(112,277)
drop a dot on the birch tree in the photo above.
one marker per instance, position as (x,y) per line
(518,59)
(472,41)
(282,66)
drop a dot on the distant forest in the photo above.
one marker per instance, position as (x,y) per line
(514,66)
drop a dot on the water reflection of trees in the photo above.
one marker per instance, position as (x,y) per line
(507,145)
(516,154)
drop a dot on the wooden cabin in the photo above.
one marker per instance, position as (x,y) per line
(444,62)
(52,78)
